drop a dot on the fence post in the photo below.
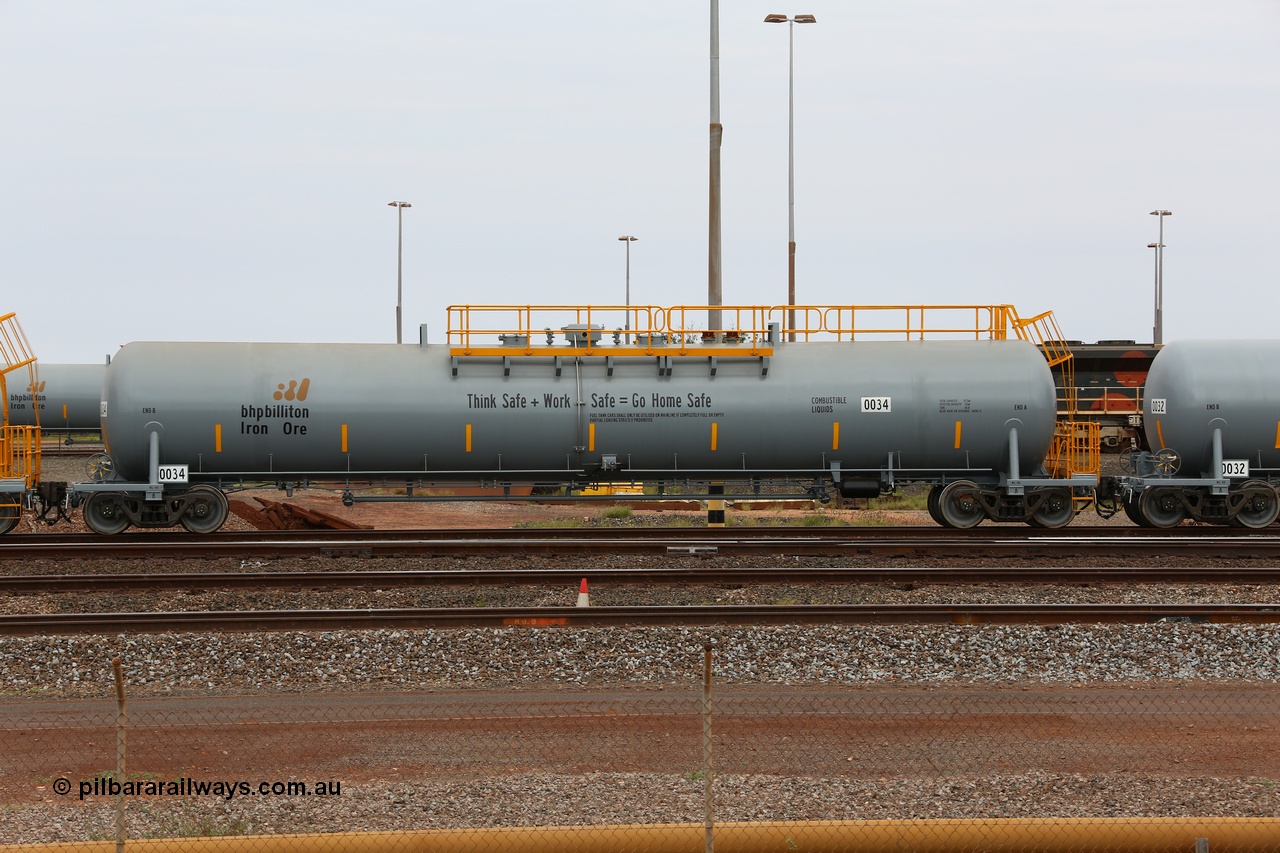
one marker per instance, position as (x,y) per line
(120,729)
(709,819)
(1202,845)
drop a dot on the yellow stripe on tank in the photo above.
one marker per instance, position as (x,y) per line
(64,411)
(1160,435)
(715,433)
(591,436)
(1278,434)
(468,438)
(217,438)
(958,429)
(835,436)
(344,438)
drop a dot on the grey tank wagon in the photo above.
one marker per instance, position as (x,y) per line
(1212,418)
(185,422)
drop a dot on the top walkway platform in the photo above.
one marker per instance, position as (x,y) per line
(746,331)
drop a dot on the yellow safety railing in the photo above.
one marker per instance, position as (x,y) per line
(1076,449)
(19,455)
(507,330)
(19,445)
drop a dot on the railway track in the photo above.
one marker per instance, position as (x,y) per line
(584,617)
(994,541)
(692,576)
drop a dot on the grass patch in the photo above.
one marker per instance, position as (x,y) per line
(819,519)
(910,498)
(203,826)
(617,512)
(551,523)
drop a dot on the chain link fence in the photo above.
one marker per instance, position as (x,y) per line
(686,765)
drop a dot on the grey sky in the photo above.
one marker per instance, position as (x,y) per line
(221,171)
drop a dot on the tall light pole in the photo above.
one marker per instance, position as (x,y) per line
(791,157)
(628,240)
(714,274)
(399,206)
(1157,333)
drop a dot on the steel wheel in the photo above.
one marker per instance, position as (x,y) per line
(1163,507)
(1133,509)
(206,509)
(1057,510)
(104,514)
(10,512)
(935,511)
(959,506)
(1260,506)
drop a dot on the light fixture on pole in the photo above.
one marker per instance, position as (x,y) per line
(399,206)
(1157,333)
(628,240)
(791,157)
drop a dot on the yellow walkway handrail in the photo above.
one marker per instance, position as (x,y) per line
(521,329)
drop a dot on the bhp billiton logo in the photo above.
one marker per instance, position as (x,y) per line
(295,391)
(36,387)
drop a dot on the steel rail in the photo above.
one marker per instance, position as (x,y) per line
(829,542)
(1004,531)
(691,576)
(583,617)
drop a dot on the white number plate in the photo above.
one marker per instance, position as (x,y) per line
(173,474)
(877,404)
(1158,406)
(1235,467)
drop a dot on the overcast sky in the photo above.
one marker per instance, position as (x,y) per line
(221,171)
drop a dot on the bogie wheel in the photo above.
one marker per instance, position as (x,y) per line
(960,506)
(1260,507)
(1163,507)
(10,512)
(206,509)
(935,511)
(1057,510)
(1133,509)
(104,514)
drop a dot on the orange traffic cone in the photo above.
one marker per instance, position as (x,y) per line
(584,600)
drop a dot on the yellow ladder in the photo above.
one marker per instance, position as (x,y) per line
(19,445)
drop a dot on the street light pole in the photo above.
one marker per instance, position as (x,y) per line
(1155,329)
(399,206)
(714,272)
(628,240)
(791,158)
(1157,333)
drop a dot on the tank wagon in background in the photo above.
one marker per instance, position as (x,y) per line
(581,396)
(1212,423)
(61,398)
